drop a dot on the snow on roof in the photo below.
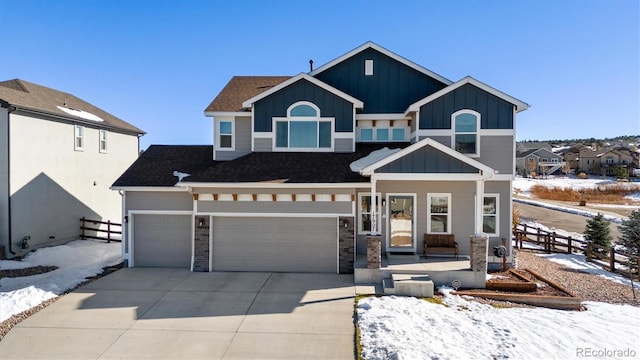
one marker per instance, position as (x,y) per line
(372,158)
(81,114)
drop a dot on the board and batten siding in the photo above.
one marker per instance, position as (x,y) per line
(276,105)
(242,139)
(392,87)
(428,160)
(495,112)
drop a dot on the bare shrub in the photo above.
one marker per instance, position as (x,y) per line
(610,193)
(583,176)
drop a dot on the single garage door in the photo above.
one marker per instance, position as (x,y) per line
(162,240)
(275,244)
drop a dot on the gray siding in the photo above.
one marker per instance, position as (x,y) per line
(161,200)
(242,139)
(503,188)
(4,179)
(392,87)
(497,152)
(495,112)
(277,103)
(427,160)
(268,207)
(343,145)
(262,145)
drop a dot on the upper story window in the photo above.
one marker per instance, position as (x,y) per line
(102,147)
(609,160)
(465,124)
(225,135)
(78,142)
(303,129)
(368,67)
(382,134)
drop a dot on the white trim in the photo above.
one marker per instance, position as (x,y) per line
(210,243)
(360,230)
(151,188)
(477,133)
(487,171)
(503,177)
(357,103)
(263,135)
(497,214)
(414,223)
(390,54)
(385,116)
(278,215)
(100,141)
(429,176)
(368,67)
(268,185)
(78,133)
(520,105)
(343,135)
(449,212)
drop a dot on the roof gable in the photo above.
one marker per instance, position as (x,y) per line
(428,156)
(32,97)
(372,45)
(241,88)
(302,76)
(520,105)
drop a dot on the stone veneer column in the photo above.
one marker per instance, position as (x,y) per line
(478,252)
(201,244)
(346,244)
(373,252)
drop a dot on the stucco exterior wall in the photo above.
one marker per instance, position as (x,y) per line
(53,185)
(4,179)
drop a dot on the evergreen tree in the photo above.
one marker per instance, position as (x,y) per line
(630,230)
(597,231)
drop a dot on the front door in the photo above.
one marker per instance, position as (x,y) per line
(401,215)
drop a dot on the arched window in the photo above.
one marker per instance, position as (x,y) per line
(465,124)
(303,128)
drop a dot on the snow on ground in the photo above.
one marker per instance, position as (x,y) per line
(522,186)
(408,328)
(579,262)
(76,261)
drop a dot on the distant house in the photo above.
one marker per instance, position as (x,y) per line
(525,146)
(606,161)
(541,161)
(304,167)
(58,157)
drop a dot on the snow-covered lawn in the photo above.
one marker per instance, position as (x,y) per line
(76,261)
(522,186)
(408,328)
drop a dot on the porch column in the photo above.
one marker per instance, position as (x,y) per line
(479,205)
(374,202)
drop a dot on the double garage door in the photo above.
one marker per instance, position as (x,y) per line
(241,244)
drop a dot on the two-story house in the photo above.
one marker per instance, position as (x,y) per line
(59,156)
(539,161)
(304,167)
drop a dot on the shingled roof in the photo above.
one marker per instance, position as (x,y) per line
(33,97)
(156,166)
(241,88)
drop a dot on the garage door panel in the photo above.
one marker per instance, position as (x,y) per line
(162,240)
(275,244)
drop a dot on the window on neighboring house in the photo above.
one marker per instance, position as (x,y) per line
(554,160)
(366,134)
(490,214)
(364,221)
(465,126)
(439,213)
(78,143)
(225,135)
(609,160)
(382,134)
(544,160)
(303,128)
(103,141)
(397,134)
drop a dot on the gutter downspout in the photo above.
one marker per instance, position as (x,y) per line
(10,109)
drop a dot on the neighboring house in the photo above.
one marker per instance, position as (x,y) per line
(571,156)
(540,161)
(611,160)
(58,157)
(305,166)
(531,145)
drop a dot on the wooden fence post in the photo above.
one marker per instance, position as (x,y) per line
(553,241)
(569,248)
(588,251)
(538,236)
(612,260)
(82,228)
(108,231)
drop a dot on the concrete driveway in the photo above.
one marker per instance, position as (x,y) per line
(152,313)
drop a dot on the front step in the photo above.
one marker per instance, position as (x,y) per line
(418,285)
(387,286)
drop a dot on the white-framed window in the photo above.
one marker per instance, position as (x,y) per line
(368,67)
(225,135)
(303,129)
(102,146)
(366,134)
(78,138)
(439,213)
(382,134)
(398,134)
(491,214)
(465,125)
(364,207)
(609,160)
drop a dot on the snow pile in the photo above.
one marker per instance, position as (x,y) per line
(76,261)
(407,328)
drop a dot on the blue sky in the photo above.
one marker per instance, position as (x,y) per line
(158,64)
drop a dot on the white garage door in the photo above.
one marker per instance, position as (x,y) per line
(275,244)
(162,240)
